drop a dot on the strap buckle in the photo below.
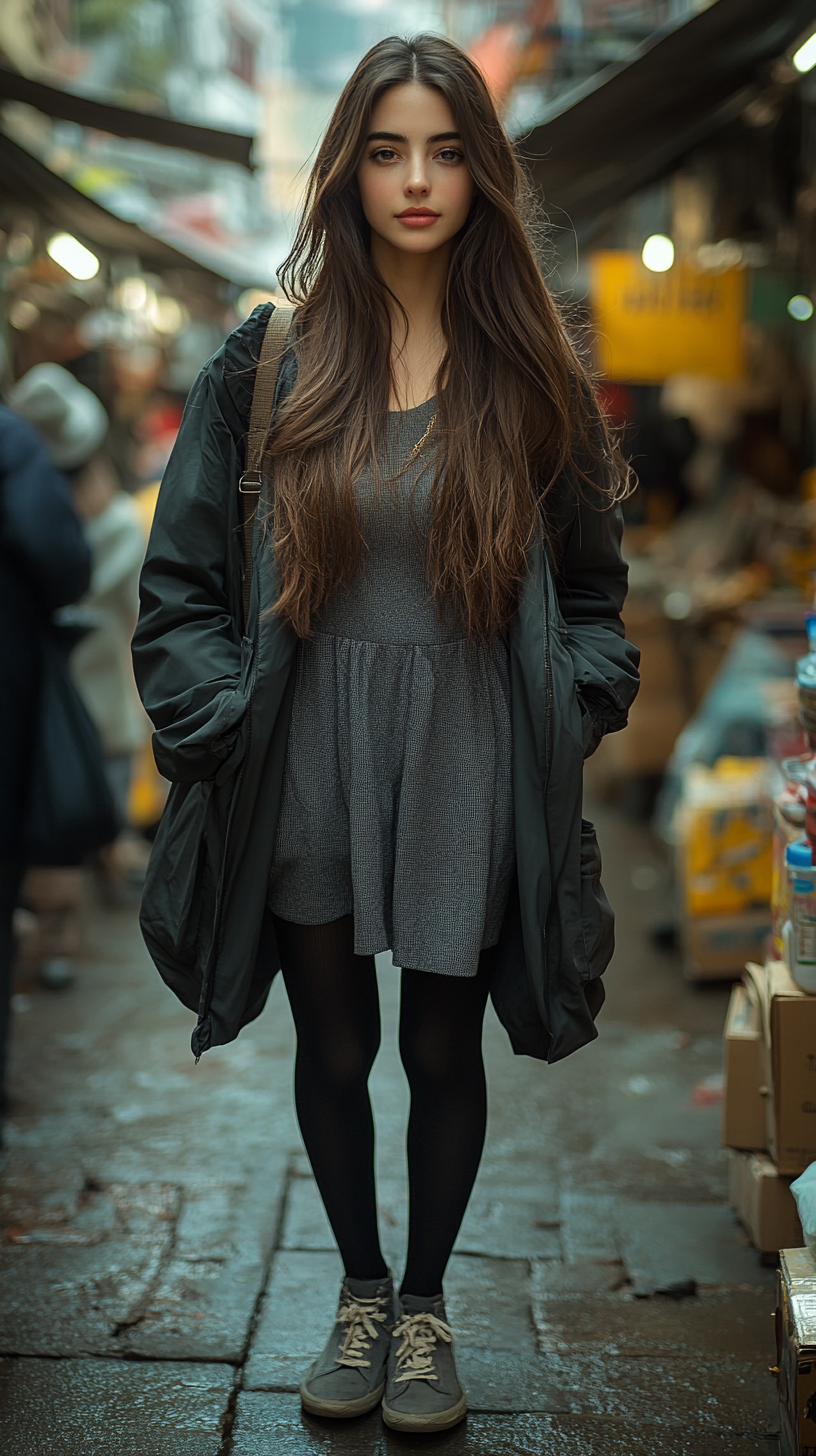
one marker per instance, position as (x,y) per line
(257,479)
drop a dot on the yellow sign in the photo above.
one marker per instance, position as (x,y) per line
(652,325)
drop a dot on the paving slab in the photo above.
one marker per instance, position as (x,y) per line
(509,1221)
(512,1221)
(111,1408)
(665,1245)
(267,1423)
(307,1227)
(489,1303)
(589,1279)
(711,1326)
(295,1318)
(589,1227)
(629,1121)
(203,1303)
(729,1395)
(92,1257)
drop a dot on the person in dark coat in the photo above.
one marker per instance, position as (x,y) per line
(388,753)
(45,563)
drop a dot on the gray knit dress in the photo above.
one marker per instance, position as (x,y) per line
(397,795)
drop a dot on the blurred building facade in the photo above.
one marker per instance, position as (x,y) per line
(273,68)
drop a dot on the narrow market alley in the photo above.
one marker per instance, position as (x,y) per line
(168,1272)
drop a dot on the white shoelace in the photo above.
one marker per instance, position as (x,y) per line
(361,1316)
(420,1334)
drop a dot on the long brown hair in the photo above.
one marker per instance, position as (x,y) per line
(516,409)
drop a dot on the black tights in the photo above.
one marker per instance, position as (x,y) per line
(334,1000)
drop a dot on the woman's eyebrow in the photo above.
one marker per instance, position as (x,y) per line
(393,136)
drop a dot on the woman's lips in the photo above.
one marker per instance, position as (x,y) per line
(417,219)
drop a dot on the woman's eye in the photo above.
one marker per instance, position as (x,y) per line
(448,154)
(383,155)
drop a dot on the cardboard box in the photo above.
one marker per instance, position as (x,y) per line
(789,1066)
(716,947)
(796,1351)
(744,1104)
(763,1202)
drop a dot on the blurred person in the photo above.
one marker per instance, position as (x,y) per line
(44,564)
(389,755)
(101,662)
(73,425)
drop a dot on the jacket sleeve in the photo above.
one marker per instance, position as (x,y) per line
(40,528)
(591,581)
(187,649)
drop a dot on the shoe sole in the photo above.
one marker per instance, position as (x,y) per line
(340,1409)
(439,1421)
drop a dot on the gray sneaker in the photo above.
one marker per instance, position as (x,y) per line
(423,1391)
(348,1379)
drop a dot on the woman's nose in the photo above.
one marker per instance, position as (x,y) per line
(417,184)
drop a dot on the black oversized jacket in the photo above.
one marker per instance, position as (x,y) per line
(221,706)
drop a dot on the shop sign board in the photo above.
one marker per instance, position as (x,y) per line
(653,325)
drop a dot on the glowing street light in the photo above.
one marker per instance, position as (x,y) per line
(800,307)
(658,253)
(73,256)
(805,58)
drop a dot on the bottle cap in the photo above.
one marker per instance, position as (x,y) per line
(799,854)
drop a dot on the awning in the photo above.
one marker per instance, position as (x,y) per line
(628,126)
(25,181)
(121,121)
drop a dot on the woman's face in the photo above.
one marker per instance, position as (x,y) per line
(414,182)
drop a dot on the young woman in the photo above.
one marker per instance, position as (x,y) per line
(391,757)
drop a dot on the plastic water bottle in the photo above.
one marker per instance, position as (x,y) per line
(800,931)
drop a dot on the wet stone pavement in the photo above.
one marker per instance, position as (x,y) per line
(167,1271)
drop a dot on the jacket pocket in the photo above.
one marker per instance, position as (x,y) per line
(174,898)
(596,939)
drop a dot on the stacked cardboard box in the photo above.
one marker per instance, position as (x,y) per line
(724,835)
(788,1070)
(763,1201)
(770,1100)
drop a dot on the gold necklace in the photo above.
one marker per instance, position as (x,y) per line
(420,443)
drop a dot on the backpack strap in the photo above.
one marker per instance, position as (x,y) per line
(260,416)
